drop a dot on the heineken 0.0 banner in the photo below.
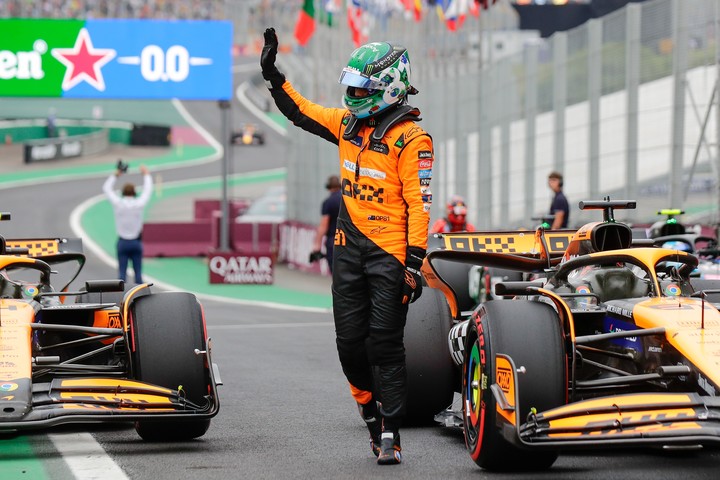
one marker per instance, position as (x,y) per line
(139,59)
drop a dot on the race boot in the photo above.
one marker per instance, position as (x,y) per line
(389,448)
(370,414)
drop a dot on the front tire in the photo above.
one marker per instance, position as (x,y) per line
(167,328)
(530,333)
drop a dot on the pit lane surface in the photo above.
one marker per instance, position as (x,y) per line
(285,408)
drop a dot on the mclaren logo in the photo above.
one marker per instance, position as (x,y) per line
(114,320)
(503,378)
(363,192)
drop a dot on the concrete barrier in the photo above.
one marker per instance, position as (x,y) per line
(179,239)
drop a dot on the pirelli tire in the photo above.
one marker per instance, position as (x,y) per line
(432,375)
(530,333)
(167,327)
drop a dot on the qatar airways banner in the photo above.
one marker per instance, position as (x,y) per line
(116,59)
(241,269)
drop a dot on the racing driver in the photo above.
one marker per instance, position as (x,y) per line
(381,236)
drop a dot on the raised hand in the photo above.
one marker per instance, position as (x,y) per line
(270,73)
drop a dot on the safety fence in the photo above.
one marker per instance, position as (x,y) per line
(623,105)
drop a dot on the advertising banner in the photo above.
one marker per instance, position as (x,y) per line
(52,150)
(238,268)
(116,59)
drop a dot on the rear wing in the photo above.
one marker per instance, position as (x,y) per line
(37,247)
(525,251)
(65,255)
(42,247)
(540,244)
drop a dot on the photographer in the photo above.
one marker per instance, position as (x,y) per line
(129,210)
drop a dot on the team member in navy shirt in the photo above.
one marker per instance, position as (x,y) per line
(559,206)
(329,211)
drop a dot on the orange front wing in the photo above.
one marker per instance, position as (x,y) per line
(93,400)
(639,419)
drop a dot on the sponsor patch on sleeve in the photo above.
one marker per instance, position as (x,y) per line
(425,154)
(425,173)
(425,164)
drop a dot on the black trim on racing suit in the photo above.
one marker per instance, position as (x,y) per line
(370,318)
(291,111)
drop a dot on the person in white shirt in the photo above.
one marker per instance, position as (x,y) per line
(129,210)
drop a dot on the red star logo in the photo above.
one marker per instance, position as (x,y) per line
(83,62)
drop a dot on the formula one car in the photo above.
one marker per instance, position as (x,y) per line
(669,226)
(249,135)
(100,354)
(670,233)
(614,346)
(702,246)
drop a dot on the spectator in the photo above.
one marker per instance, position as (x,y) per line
(129,210)
(51,124)
(386,159)
(455,218)
(559,206)
(326,229)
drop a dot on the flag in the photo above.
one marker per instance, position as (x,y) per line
(476,4)
(414,7)
(453,12)
(305,26)
(330,9)
(418,10)
(474,7)
(484,3)
(358,22)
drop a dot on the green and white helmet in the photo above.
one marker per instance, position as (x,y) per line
(383,69)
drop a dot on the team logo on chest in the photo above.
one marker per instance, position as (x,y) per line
(363,192)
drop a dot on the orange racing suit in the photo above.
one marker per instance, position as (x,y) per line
(385,209)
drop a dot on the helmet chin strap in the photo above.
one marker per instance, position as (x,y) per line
(391,117)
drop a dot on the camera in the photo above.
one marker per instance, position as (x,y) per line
(122,166)
(315,256)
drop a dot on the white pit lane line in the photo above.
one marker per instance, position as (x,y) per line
(85,458)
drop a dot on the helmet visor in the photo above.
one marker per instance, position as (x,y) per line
(352,78)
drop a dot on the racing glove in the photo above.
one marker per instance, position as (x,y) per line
(412,289)
(273,77)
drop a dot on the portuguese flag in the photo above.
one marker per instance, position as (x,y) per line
(305,26)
